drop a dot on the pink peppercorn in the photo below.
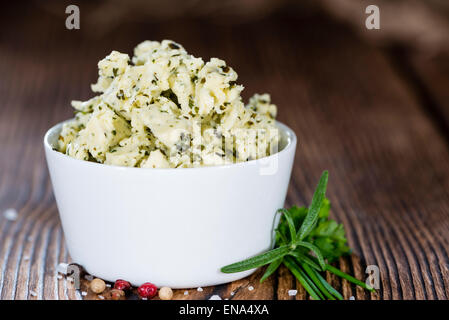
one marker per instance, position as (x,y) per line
(147,290)
(122,285)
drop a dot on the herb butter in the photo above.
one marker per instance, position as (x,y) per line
(164,108)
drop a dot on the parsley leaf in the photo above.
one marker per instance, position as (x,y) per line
(328,235)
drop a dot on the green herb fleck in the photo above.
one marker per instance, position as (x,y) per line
(173,46)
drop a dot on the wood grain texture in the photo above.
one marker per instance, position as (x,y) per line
(431,76)
(353,112)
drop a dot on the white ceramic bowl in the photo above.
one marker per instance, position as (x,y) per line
(171,227)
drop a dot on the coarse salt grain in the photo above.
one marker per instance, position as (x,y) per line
(232,293)
(59,276)
(199,289)
(10,214)
(62,268)
(84,293)
(351,298)
(250,288)
(108,285)
(292,293)
(215,297)
(186,293)
(144,298)
(101,297)
(33,293)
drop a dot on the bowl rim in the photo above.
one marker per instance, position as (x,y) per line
(289,133)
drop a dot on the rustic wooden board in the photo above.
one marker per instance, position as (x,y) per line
(432,81)
(352,110)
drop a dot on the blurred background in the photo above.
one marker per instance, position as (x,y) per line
(372,106)
(246,33)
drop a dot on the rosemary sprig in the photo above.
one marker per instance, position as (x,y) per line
(303,231)
(314,209)
(257,261)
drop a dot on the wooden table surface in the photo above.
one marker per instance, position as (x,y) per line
(377,119)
